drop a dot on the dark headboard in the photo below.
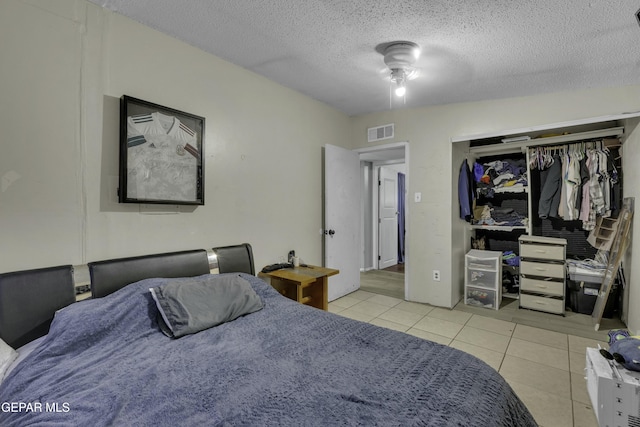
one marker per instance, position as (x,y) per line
(235,258)
(110,275)
(29,299)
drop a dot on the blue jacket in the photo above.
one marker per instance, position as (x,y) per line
(465,192)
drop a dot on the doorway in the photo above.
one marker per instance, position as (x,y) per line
(379,274)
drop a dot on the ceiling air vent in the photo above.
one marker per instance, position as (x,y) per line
(380,132)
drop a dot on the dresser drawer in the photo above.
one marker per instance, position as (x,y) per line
(542,286)
(542,269)
(550,305)
(550,252)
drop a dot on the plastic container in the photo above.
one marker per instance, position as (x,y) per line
(582,299)
(481,298)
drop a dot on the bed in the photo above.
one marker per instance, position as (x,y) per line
(108,360)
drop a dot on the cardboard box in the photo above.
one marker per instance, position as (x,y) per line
(615,400)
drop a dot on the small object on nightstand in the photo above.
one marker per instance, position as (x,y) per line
(278,266)
(81,289)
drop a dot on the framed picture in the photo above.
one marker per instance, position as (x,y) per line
(161,154)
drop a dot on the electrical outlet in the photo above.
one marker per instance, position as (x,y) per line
(436,275)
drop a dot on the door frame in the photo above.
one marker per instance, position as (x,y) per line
(374,227)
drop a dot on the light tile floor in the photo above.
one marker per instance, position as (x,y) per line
(545,368)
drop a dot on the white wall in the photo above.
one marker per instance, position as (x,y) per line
(41,203)
(436,236)
(65,64)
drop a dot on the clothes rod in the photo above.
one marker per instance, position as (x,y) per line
(514,147)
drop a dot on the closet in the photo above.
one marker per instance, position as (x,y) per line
(572,177)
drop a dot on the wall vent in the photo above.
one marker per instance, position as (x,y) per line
(380,132)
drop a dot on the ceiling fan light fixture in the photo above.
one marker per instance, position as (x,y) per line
(400,57)
(399,77)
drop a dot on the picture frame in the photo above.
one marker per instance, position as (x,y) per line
(161,154)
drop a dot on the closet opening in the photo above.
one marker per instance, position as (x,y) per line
(583,152)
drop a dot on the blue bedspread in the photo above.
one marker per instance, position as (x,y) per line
(105,362)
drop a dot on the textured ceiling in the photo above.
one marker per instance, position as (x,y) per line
(471,49)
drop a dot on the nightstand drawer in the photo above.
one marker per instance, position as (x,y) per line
(542,286)
(550,305)
(542,269)
(542,252)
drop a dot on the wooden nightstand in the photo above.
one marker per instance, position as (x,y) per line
(307,285)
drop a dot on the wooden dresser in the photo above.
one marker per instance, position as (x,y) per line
(542,273)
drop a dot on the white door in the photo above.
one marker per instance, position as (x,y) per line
(342,219)
(387,218)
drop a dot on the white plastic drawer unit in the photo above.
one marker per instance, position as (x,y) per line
(614,394)
(542,269)
(483,278)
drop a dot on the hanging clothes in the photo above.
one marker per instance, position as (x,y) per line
(584,178)
(572,182)
(616,196)
(551,180)
(466,195)
(605,182)
(596,191)
(563,187)
(577,182)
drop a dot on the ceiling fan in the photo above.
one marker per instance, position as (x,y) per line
(400,58)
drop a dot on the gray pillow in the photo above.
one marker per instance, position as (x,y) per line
(190,305)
